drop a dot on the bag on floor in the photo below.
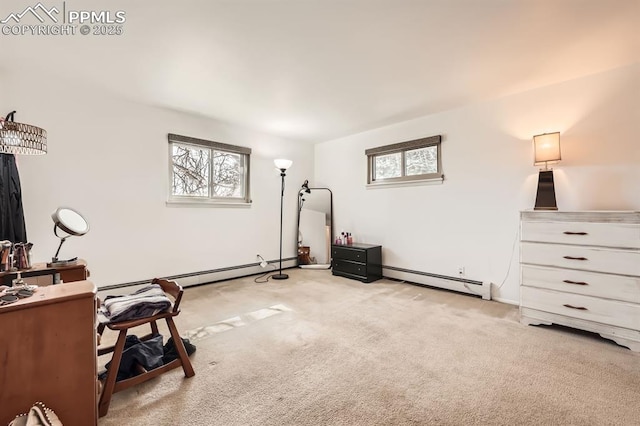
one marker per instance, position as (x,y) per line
(38,415)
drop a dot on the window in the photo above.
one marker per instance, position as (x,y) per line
(412,161)
(208,172)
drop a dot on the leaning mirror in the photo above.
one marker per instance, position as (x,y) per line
(315,227)
(71,223)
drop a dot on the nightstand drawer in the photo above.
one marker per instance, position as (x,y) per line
(585,258)
(345,253)
(611,312)
(608,286)
(354,268)
(623,235)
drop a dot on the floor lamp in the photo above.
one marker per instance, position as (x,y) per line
(281,165)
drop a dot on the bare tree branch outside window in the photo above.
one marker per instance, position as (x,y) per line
(204,171)
(421,161)
(191,171)
(227,174)
(388,166)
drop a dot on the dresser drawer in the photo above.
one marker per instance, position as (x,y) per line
(347,267)
(623,262)
(621,235)
(604,311)
(353,254)
(618,287)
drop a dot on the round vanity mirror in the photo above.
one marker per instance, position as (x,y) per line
(70,221)
(73,224)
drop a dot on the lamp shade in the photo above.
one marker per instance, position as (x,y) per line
(282,164)
(546,148)
(19,138)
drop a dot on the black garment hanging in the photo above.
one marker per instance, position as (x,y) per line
(12,225)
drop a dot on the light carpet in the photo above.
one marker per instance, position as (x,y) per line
(339,352)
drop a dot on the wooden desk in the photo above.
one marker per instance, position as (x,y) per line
(68,273)
(48,353)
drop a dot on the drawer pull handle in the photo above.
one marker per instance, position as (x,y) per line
(575,258)
(580,308)
(575,282)
(575,233)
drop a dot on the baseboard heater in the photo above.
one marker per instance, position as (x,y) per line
(209,277)
(462,285)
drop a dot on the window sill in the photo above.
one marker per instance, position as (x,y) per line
(206,203)
(432,181)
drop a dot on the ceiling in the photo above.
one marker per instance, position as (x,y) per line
(315,70)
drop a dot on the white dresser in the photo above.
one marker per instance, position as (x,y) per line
(582,270)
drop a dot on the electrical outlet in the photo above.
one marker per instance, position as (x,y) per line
(461,270)
(263,263)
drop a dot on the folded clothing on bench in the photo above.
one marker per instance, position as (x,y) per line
(145,302)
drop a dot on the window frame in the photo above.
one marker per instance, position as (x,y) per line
(212,146)
(402,148)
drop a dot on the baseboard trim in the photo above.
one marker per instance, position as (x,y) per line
(462,285)
(211,276)
(192,279)
(507,301)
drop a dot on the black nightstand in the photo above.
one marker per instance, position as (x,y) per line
(357,261)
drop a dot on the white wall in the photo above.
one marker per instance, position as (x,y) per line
(472,219)
(108,158)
